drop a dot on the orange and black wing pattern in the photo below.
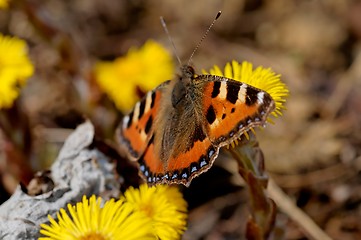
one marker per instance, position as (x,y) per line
(136,129)
(231,108)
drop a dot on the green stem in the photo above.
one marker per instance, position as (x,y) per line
(251,167)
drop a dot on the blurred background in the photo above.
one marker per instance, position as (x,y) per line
(312,152)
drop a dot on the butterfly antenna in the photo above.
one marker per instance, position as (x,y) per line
(170,39)
(204,36)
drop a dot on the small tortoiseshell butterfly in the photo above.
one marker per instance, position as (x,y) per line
(175,132)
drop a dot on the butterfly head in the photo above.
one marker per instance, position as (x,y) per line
(179,91)
(187,72)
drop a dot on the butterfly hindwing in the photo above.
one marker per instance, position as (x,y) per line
(231,108)
(136,128)
(180,167)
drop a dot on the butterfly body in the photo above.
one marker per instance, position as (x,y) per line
(175,132)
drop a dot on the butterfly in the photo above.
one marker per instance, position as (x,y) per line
(176,131)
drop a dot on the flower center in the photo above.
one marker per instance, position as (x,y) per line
(147,209)
(93,236)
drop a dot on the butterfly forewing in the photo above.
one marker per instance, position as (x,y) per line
(230,107)
(136,128)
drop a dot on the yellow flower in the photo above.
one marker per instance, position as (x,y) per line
(164,205)
(15,68)
(4,4)
(143,68)
(89,221)
(262,78)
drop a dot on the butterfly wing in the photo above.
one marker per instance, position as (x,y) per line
(136,129)
(222,109)
(178,149)
(231,108)
(184,164)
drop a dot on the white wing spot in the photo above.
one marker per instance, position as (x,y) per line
(136,112)
(223,90)
(148,102)
(260,97)
(125,121)
(242,93)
